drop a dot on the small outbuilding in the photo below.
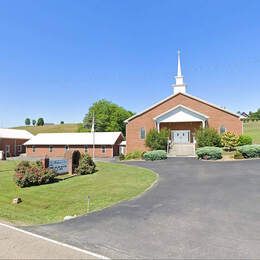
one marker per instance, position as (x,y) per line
(12,140)
(105,144)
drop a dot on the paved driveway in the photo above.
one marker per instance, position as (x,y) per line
(196,210)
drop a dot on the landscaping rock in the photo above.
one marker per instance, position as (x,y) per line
(69,217)
(17,200)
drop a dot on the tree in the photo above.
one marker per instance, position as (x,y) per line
(108,117)
(40,121)
(157,140)
(255,115)
(229,140)
(33,122)
(62,122)
(27,121)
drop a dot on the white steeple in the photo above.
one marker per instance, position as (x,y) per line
(179,85)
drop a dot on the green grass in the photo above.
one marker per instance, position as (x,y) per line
(252,128)
(254,133)
(61,128)
(51,203)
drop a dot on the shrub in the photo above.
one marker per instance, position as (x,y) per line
(31,174)
(249,151)
(134,155)
(238,155)
(209,153)
(244,140)
(86,165)
(155,155)
(229,140)
(207,137)
(157,140)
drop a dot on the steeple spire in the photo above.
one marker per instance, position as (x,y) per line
(179,64)
(179,85)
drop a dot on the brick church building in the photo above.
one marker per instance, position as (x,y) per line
(182,114)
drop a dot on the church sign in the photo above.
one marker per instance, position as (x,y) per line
(59,166)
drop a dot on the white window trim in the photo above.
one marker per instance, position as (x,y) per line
(7,150)
(86,148)
(65,148)
(142,128)
(19,148)
(103,149)
(50,148)
(33,148)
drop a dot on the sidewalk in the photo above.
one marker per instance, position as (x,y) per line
(19,244)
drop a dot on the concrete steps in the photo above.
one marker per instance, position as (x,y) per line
(182,150)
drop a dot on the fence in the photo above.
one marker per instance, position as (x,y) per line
(252,124)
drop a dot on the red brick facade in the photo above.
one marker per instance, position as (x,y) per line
(101,151)
(15,146)
(216,118)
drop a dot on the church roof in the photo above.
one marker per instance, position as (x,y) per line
(184,94)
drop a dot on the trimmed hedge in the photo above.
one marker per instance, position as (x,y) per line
(209,153)
(134,155)
(155,155)
(249,151)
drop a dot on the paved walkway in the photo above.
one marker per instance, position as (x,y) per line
(15,244)
(197,210)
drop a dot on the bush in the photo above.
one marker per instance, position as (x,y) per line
(155,155)
(134,155)
(238,155)
(229,140)
(244,140)
(157,140)
(207,137)
(86,165)
(30,174)
(209,153)
(249,151)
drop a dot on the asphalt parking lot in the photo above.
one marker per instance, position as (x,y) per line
(196,210)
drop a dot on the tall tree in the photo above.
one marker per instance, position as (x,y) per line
(40,121)
(27,121)
(108,116)
(33,122)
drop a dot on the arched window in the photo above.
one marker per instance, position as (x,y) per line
(222,129)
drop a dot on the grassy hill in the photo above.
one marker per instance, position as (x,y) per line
(253,129)
(65,128)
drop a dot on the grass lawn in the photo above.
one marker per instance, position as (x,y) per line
(253,129)
(51,203)
(60,128)
(254,133)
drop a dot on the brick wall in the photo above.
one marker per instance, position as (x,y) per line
(217,118)
(59,150)
(14,146)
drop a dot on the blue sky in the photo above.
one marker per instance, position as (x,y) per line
(58,57)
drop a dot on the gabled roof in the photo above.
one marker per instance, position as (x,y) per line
(180,113)
(15,134)
(101,138)
(184,94)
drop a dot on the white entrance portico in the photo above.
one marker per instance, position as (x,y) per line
(182,122)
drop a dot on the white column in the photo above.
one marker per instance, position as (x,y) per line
(158,127)
(203,124)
